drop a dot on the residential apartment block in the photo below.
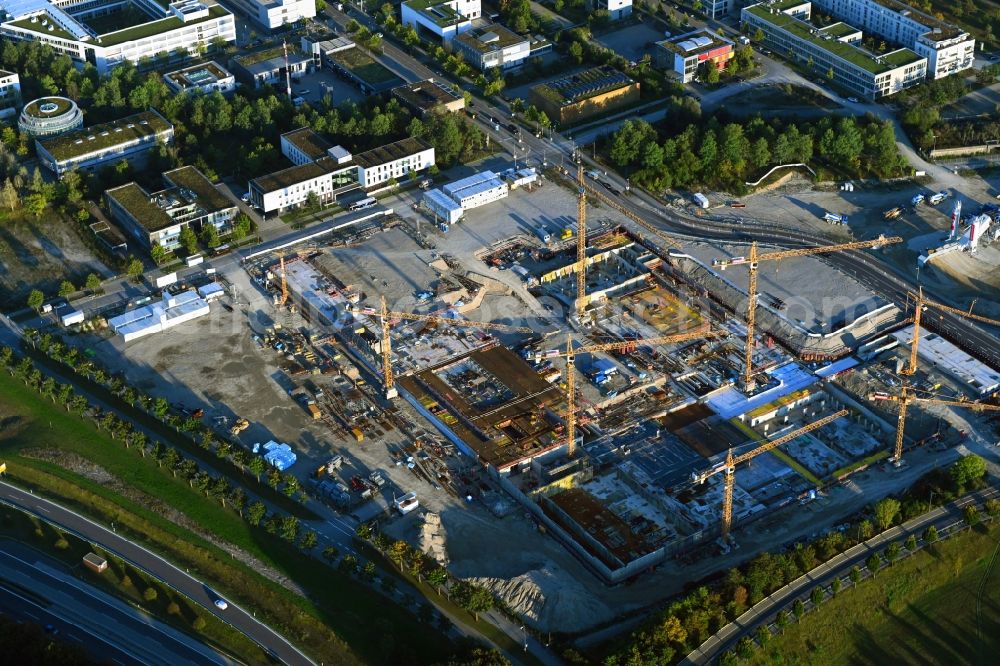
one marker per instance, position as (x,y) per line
(272,14)
(330,171)
(948,49)
(155,28)
(188,199)
(443,19)
(686,53)
(10,94)
(833,49)
(130,138)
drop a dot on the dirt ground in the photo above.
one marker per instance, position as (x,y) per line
(41,254)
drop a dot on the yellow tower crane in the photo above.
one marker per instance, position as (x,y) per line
(906,397)
(385,316)
(283,297)
(729,467)
(581,243)
(570,353)
(753,261)
(921,304)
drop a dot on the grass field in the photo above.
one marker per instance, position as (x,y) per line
(941,606)
(352,613)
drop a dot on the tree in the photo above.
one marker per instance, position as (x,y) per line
(198,624)
(865,530)
(971,515)
(967,472)
(9,197)
(133,268)
(242,226)
(309,540)
(438,577)
(188,240)
(763,635)
(782,620)
(330,553)
(931,534)
(149,594)
(289,528)
(818,595)
(66,289)
(398,552)
(256,466)
(173,608)
(911,543)
(576,52)
(256,513)
(35,204)
(873,563)
(855,574)
(886,511)
(93,283)
(473,598)
(711,73)
(35,299)
(745,647)
(892,552)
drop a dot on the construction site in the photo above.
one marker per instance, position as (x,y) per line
(643,405)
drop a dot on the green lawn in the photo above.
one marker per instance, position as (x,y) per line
(922,610)
(341,611)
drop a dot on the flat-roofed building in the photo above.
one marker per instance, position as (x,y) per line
(129,138)
(267,67)
(492,45)
(49,116)
(206,77)
(10,93)
(429,96)
(442,18)
(948,48)
(172,310)
(687,53)
(189,199)
(787,30)
(273,14)
(477,190)
(585,94)
(152,29)
(393,161)
(616,9)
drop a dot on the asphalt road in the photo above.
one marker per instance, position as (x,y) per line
(765,611)
(176,578)
(40,591)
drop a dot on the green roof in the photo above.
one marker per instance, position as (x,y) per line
(137,202)
(436,10)
(390,152)
(267,54)
(839,29)
(37,26)
(190,178)
(851,54)
(583,85)
(156,27)
(496,37)
(363,66)
(63,105)
(97,137)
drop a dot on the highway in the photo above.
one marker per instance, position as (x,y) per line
(34,588)
(765,611)
(178,579)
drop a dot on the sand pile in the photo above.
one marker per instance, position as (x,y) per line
(432,539)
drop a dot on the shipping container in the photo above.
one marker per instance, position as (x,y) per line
(194,260)
(74,317)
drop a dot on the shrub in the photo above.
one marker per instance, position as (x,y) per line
(149,594)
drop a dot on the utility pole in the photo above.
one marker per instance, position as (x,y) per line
(288,71)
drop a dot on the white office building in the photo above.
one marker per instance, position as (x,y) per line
(273,14)
(442,18)
(155,29)
(10,93)
(834,48)
(207,77)
(393,161)
(492,45)
(948,48)
(617,9)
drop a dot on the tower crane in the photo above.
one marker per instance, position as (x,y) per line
(581,243)
(283,297)
(385,315)
(595,193)
(906,397)
(570,353)
(921,304)
(753,261)
(729,467)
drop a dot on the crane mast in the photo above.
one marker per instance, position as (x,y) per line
(922,303)
(581,243)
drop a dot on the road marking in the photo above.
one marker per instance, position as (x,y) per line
(31,615)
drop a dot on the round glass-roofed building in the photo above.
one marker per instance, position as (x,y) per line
(48,116)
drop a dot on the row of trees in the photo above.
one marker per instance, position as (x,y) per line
(687,623)
(725,152)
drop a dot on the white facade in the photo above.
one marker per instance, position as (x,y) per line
(172,29)
(397,160)
(291,187)
(442,206)
(443,18)
(948,49)
(477,190)
(208,78)
(492,46)
(10,93)
(617,9)
(273,14)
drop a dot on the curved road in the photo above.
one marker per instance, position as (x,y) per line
(267,638)
(838,567)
